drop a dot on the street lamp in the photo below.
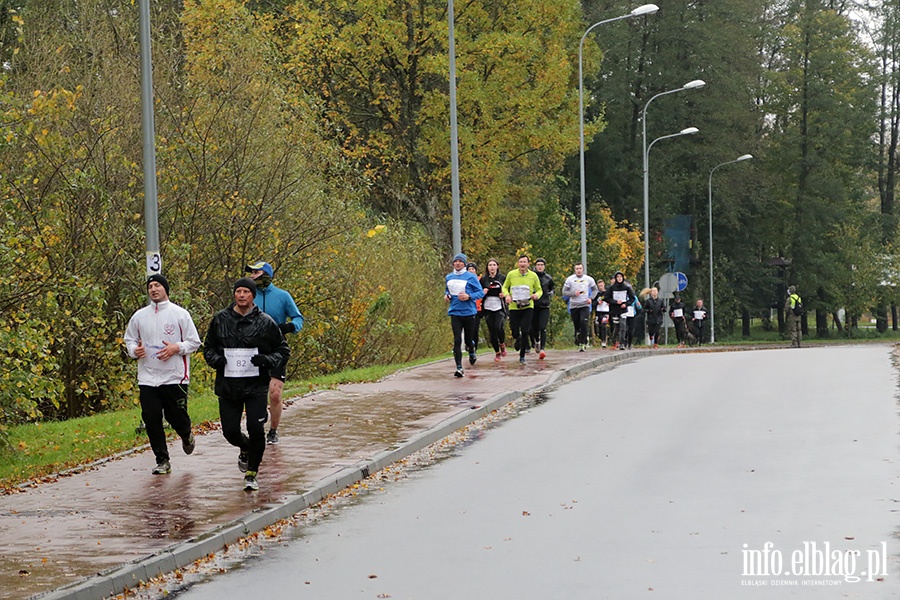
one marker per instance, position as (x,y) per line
(691,85)
(454,137)
(712,310)
(646,9)
(151,210)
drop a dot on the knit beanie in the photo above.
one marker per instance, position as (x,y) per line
(158,278)
(246,282)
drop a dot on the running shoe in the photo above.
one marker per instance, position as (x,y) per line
(459,372)
(243,462)
(188,444)
(497,357)
(502,349)
(521,360)
(163,468)
(472,358)
(272,437)
(542,355)
(250,483)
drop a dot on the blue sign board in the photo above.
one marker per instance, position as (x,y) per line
(682,282)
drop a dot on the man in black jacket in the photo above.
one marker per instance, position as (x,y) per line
(243,345)
(619,296)
(541,318)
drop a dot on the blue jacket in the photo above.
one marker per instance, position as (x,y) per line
(279,305)
(464,308)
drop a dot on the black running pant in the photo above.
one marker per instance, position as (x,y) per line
(230,410)
(157,402)
(496,324)
(520,324)
(581,316)
(540,319)
(469,325)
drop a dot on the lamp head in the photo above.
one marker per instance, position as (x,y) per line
(692,85)
(688,131)
(647,9)
(743,157)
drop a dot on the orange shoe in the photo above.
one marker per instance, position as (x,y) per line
(542,355)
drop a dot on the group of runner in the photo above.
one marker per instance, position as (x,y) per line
(522,297)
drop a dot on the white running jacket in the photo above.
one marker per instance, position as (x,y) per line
(153,324)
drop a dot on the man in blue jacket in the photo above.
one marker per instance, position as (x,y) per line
(461,291)
(278,304)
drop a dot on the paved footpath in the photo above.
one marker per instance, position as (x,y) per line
(115,524)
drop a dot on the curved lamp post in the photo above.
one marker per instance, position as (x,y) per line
(712,310)
(646,9)
(691,85)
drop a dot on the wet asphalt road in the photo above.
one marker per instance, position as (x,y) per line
(662,478)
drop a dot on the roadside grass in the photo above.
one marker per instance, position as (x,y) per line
(41,450)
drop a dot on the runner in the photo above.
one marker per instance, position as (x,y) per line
(461,290)
(493,308)
(677,313)
(601,314)
(521,288)
(541,318)
(580,290)
(278,304)
(243,344)
(619,296)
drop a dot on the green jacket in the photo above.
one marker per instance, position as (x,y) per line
(530,279)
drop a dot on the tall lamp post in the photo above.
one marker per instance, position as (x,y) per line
(151,211)
(646,9)
(712,310)
(454,137)
(691,85)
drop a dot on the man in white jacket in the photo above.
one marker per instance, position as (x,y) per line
(579,290)
(162,337)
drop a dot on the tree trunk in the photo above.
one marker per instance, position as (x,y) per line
(745,323)
(881,323)
(837,322)
(821,323)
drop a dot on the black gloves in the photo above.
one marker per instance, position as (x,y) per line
(259,360)
(286,328)
(219,363)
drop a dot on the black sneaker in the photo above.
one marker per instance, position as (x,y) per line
(272,437)
(250,483)
(472,358)
(516,344)
(163,468)
(243,462)
(189,444)
(459,372)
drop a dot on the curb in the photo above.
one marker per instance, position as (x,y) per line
(130,575)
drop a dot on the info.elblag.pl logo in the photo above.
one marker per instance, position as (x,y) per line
(812,564)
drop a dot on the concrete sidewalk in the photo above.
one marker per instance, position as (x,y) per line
(115,524)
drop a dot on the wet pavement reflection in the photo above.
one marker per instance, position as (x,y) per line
(60,532)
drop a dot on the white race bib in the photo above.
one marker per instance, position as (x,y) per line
(239,364)
(699,314)
(677,312)
(629,312)
(602,306)
(520,293)
(456,286)
(581,285)
(621,296)
(492,303)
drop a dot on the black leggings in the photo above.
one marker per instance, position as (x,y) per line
(230,410)
(496,324)
(520,323)
(470,326)
(653,330)
(539,321)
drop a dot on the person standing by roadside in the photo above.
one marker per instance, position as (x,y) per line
(541,318)
(677,314)
(521,288)
(698,320)
(793,309)
(162,337)
(493,308)
(620,296)
(244,345)
(461,290)
(278,304)
(580,290)
(653,316)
